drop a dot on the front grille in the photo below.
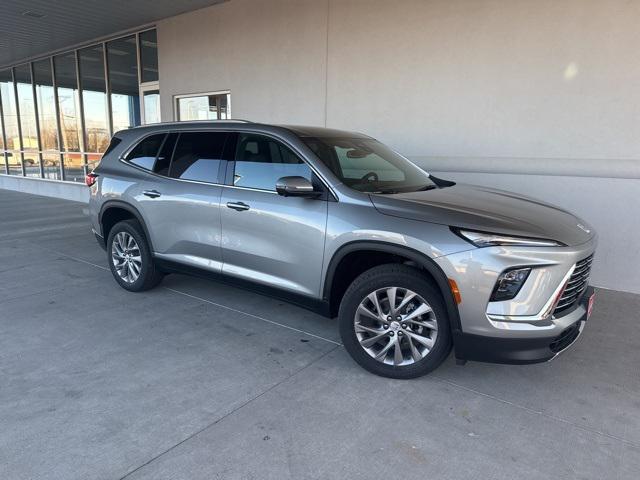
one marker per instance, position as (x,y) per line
(576,285)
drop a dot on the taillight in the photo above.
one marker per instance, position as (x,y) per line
(90,179)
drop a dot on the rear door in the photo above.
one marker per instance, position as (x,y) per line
(274,240)
(181,201)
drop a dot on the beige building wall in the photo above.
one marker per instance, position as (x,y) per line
(542,97)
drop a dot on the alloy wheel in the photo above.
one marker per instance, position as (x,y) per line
(126,257)
(395,326)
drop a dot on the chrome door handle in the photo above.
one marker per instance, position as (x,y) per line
(152,193)
(239,206)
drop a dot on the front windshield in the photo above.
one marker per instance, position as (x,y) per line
(367,165)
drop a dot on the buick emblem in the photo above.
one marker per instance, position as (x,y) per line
(583,228)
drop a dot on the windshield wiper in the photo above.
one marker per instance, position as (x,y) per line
(387,192)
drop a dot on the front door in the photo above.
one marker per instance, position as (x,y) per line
(274,240)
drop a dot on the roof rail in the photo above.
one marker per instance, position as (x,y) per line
(176,122)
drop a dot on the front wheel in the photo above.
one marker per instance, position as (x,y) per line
(393,322)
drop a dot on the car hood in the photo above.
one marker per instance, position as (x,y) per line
(486,209)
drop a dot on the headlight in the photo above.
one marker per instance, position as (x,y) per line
(509,284)
(484,239)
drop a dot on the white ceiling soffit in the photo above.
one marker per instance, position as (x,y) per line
(29,28)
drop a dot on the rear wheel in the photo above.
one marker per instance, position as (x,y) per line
(130,258)
(393,322)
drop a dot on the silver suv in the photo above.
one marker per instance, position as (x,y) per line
(412,265)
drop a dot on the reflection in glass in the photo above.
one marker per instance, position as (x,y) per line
(204,107)
(31,162)
(26,106)
(68,100)
(94,98)
(261,161)
(73,167)
(123,80)
(45,98)
(151,106)
(9,110)
(1,137)
(51,166)
(92,160)
(13,161)
(149,56)
(44,108)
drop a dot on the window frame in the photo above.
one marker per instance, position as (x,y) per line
(129,151)
(228,169)
(63,169)
(221,167)
(221,170)
(231,169)
(177,98)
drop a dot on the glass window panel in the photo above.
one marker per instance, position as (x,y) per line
(9,110)
(149,56)
(151,106)
(73,171)
(204,107)
(144,154)
(51,166)
(261,161)
(26,105)
(93,159)
(31,164)
(68,100)
(1,138)
(45,98)
(123,79)
(223,107)
(198,156)
(13,161)
(94,98)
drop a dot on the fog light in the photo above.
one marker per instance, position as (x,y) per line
(509,284)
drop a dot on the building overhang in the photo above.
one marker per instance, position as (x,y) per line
(33,28)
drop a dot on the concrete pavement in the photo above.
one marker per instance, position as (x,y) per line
(198,380)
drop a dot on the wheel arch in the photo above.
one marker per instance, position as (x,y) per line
(422,260)
(119,205)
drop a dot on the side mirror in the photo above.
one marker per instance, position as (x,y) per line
(295,187)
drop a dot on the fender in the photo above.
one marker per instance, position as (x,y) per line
(131,209)
(421,259)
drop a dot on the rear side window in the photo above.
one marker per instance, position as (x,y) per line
(198,156)
(144,154)
(261,161)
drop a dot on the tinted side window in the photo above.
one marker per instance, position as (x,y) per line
(261,161)
(164,157)
(198,156)
(144,154)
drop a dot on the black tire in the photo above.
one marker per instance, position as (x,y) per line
(394,275)
(149,275)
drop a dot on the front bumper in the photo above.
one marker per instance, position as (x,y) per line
(483,348)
